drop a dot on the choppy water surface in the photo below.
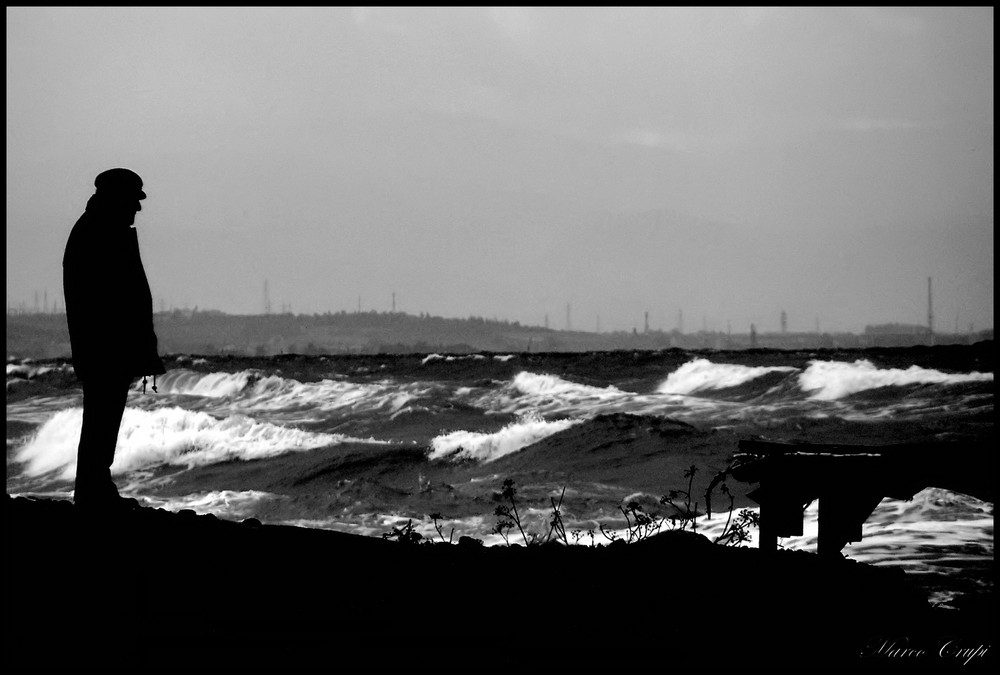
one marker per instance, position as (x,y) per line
(364,444)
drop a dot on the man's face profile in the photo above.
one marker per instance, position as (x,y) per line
(124,209)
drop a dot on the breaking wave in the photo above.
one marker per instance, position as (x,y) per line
(487,447)
(821,380)
(830,380)
(701,374)
(168,436)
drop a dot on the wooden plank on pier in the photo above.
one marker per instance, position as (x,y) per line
(851,480)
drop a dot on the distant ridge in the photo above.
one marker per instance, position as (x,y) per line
(213,332)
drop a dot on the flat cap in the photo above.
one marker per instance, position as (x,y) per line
(120,182)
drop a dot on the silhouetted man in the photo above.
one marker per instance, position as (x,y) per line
(109,310)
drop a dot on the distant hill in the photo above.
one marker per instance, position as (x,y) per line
(212,332)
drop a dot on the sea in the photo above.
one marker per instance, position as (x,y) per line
(591,447)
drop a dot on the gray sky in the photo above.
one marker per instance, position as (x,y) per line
(728,163)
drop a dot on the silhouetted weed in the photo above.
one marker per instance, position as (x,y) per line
(508,516)
(405,534)
(639,525)
(436,517)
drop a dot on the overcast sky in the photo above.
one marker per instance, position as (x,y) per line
(726,163)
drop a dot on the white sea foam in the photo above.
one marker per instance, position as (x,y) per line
(213,385)
(533,384)
(553,396)
(38,409)
(952,518)
(702,374)
(934,519)
(830,380)
(440,357)
(821,380)
(488,447)
(168,436)
(287,399)
(276,393)
(379,524)
(27,370)
(230,504)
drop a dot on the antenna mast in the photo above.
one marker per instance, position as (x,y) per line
(930,311)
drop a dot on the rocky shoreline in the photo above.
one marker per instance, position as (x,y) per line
(157,590)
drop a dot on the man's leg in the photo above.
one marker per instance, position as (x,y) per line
(103,407)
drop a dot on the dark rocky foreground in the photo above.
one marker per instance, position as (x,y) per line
(154,590)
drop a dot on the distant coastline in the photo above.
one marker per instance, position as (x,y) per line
(44,335)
